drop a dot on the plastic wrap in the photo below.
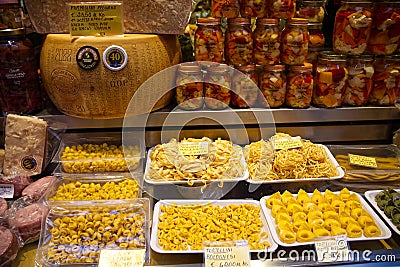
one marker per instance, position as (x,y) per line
(13,185)
(37,189)
(8,246)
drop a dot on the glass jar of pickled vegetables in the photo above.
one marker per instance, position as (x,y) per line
(20,90)
(253,8)
(10,14)
(352,28)
(208,40)
(330,80)
(225,8)
(217,85)
(267,42)
(245,87)
(281,9)
(359,82)
(300,85)
(396,5)
(238,42)
(314,11)
(316,41)
(385,81)
(189,86)
(385,32)
(272,82)
(294,42)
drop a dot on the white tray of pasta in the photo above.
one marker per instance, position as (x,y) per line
(309,162)
(297,219)
(217,160)
(181,226)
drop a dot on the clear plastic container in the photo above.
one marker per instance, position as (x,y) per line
(238,42)
(217,86)
(244,86)
(77,232)
(267,42)
(295,42)
(352,27)
(314,11)
(273,85)
(189,86)
(253,8)
(209,40)
(281,9)
(299,86)
(225,8)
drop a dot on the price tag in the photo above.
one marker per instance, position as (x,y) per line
(333,249)
(193,148)
(221,256)
(95,19)
(363,161)
(6,190)
(287,143)
(122,258)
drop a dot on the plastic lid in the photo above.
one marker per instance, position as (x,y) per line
(266,21)
(12,32)
(208,21)
(274,67)
(239,21)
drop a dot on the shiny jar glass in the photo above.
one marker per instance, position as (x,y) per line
(217,84)
(396,6)
(208,40)
(20,90)
(385,32)
(352,28)
(330,80)
(300,85)
(253,8)
(294,47)
(359,82)
(281,9)
(245,87)
(10,14)
(267,42)
(316,41)
(238,42)
(189,86)
(225,8)
(272,83)
(385,81)
(314,11)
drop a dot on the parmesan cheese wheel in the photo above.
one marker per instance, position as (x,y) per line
(99,92)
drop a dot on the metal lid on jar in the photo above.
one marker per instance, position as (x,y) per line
(331,55)
(306,67)
(246,68)
(266,21)
(12,32)
(357,1)
(297,21)
(189,68)
(208,21)
(274,67)
(314,25)
(363,57)
(218,68)
(239,21)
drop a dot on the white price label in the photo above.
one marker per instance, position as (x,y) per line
(333,249)
(6,190)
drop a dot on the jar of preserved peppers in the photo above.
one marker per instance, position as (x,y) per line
(273,85)
(330,80)
(225,8)
(208,40)
(385,32)
(238,42)
(359,82)
(385,87)
(295,42)
(245,87)
(352,28)
(281,9)
(267,42)
(20,90)
(300,85)
(189,86)
(314,11)
(253,8)
(10,14)
(217,86)
(316,41)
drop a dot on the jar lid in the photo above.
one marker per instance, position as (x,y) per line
(297,21)
(314,25)
(357,1)
(4,2)
(218,68)
(12,32)
(306,67)
(331,55)
(246,68)
(363,57)
(274,67)
(239,21)
(208,21)
(266,21)
(190,68)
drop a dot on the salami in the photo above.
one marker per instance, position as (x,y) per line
(37,189)
(8,246)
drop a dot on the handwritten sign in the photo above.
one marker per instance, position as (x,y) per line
(122,258)
(238,256)
(6,190)
(333,249)
(287,143)
(193,148)
(363,161)
(95,19)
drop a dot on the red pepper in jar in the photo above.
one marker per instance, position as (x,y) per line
(225,8)
(273,84)
(281,9)
(244,86)
(217,90)
(299,86)
(238,42)
(266,37)
(314,11)
(352,28)
(295,42)
(253,8)
(316,41)
(208,40)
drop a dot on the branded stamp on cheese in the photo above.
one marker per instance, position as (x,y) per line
(88,57)
(115,58)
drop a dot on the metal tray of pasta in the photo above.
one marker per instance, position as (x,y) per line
(319,168)
(370,196)
(206,224)
(357,219)
(222,162)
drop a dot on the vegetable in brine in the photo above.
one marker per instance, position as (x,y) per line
(208,40)
(273,85)
(238,42)
(266,38)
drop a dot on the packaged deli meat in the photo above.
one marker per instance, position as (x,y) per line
(37,189)
(12,186)
(8,246)
(25,143)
